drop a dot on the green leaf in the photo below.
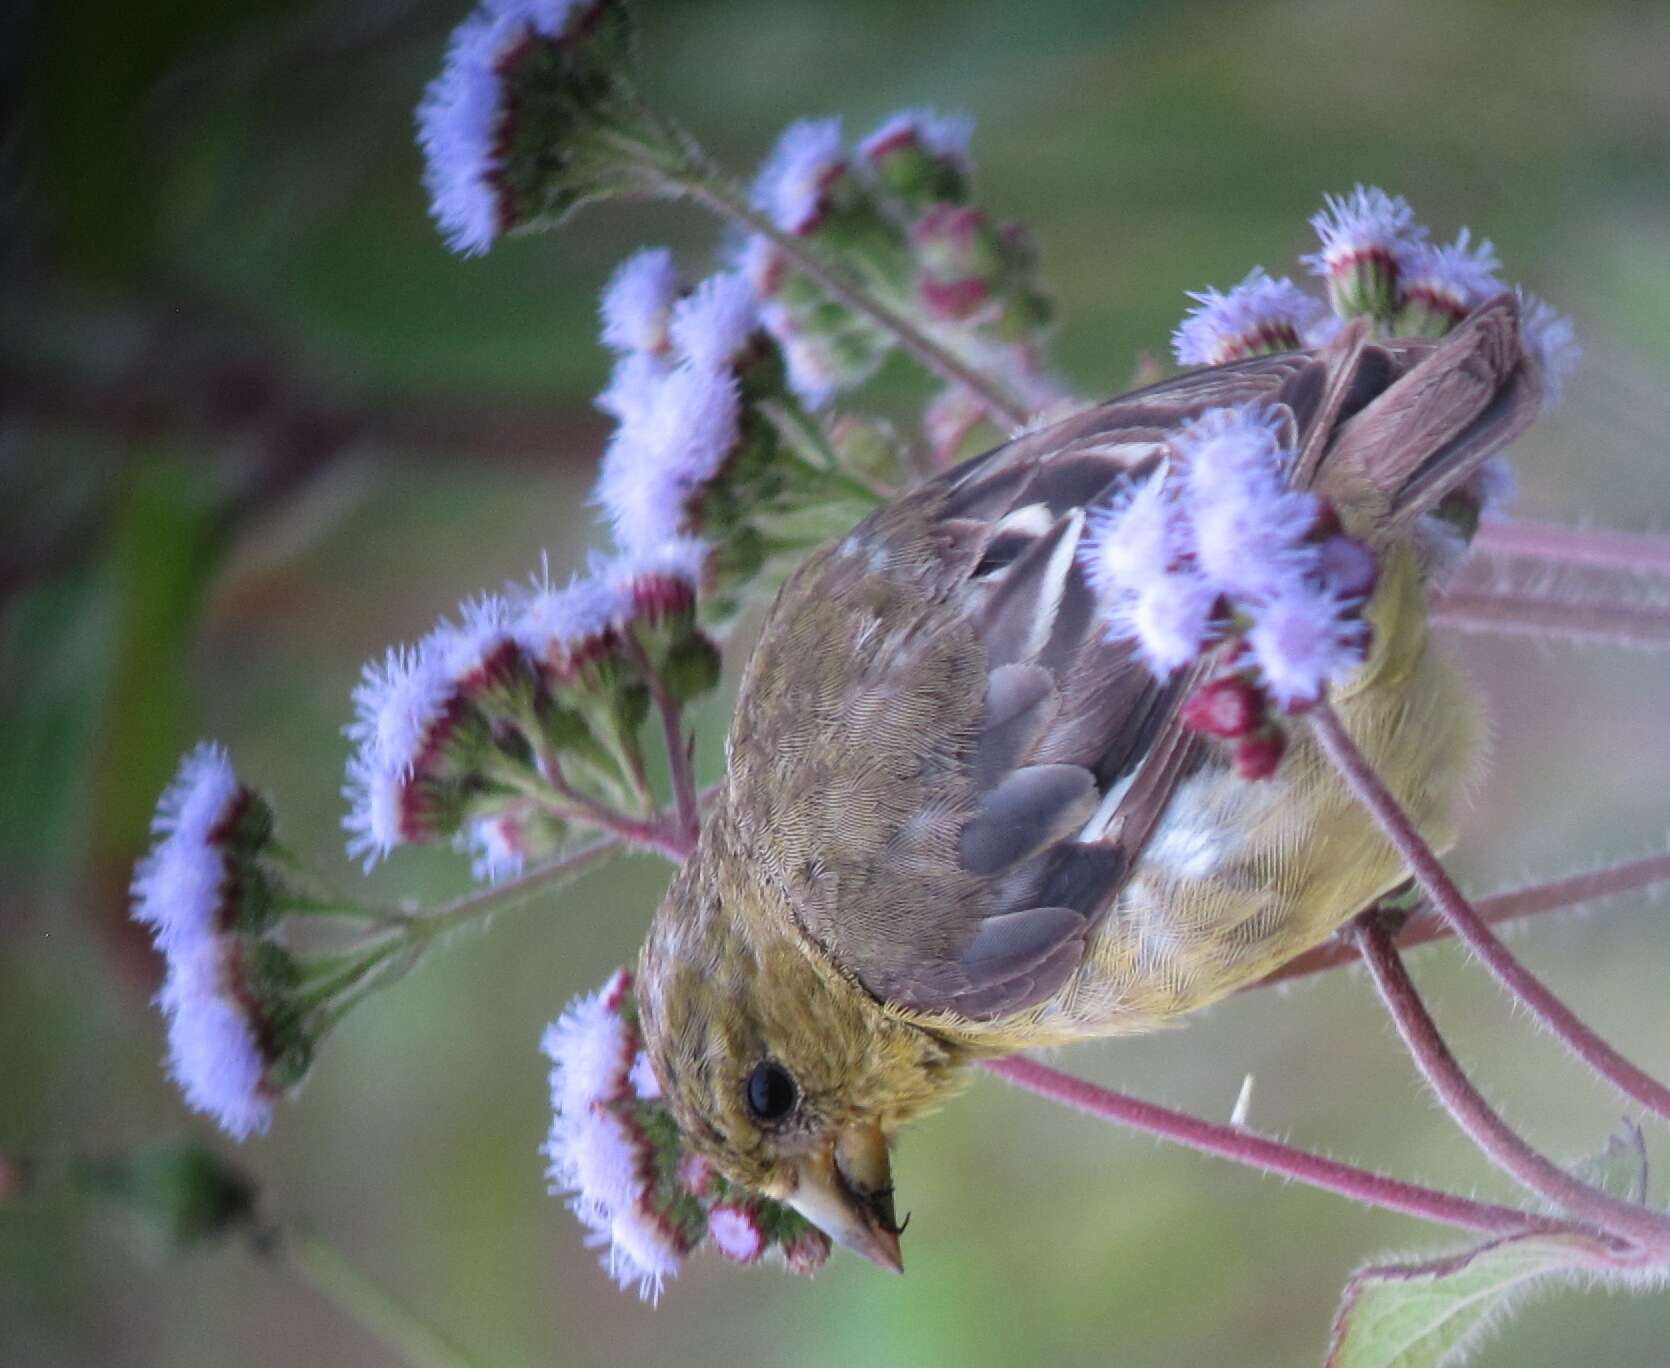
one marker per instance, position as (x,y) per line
(1422,1315)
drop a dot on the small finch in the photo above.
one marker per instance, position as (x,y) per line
(960,818)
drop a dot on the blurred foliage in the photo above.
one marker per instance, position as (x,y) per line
(255,423)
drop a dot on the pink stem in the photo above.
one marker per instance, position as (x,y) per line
(1597,549)
(1268,1156)
(1572,891)
(1577,619)
(1441,891)
(1473,1114)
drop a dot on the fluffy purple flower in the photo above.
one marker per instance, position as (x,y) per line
(638,302)
(1551,339)
(399,705)
(460,126)
(712,327)
(1304,640)
(179,887)
(1258,315)
(944,136)
(1367,223)
(214,1053)
(1450,280)
(794,183)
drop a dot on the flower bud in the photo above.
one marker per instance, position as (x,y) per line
(1228,708)
(182,1193)
(1365,236)
(1258,756)
(920,157)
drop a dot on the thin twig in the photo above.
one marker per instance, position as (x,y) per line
(1549,615)
(1632,876)
(1494,1137)
(1268,1156)
(1590,548)
(396,1325)
(680,771)
(709,189)
(1442,892)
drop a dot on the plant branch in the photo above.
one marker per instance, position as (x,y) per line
(714,192)
(1268,1156)
(1441,890)
(1592,885)
(1552,615)
(396,1325)
(1590,548)
(1498,1141)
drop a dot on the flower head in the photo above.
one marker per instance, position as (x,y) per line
(460,128)
(1551,339)
(712,327)
(1259,315)
(1304,640)
(194,881)
(564,629)
(214,1052)
(1438,286)
(1366,236)
(794,184)
(945,136)
(638,302)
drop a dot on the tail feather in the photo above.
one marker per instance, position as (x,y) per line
(1427,432)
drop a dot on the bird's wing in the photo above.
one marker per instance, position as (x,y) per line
(940,762)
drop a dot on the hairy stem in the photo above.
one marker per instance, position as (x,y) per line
(1268,1156)
(1632,876)
(1442,892)
(1551,615)
(1590,548)
(328,1272)
(714,192)
(1494,1137)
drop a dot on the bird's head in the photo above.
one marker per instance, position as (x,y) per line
(790,1078)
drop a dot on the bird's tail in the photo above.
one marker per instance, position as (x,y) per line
(1459,401)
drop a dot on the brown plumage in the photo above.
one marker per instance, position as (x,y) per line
(957,820)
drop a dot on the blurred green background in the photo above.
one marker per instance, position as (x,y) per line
(255,423)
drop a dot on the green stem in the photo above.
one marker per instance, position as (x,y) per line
(329,1273)
(712,191)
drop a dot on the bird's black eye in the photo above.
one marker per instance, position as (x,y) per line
(772,1094)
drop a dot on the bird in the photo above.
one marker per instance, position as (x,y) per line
(958,820)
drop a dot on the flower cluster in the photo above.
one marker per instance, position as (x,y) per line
(898,214)
(498,727)
(529,116)
(617,1154)
(1377,262)
(711,442)
(1214,549)
(207,893)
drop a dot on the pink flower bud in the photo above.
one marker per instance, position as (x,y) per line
(1228,708)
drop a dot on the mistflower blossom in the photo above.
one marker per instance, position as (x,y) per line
(214,1052)
(736,1233)
(467,654)
(1449,281)
(811,372)
(665,452)
(1169,619)
(638,302)
(762,264)
(794,184)
(1256,316)
(495,846)
(402,708)
(1551,339)
(460,128)
(1248,526)
(549,18)
(945,136)
(562,628)
(1135,541)
(633,384)
(1303,641)
(659,581)
(642,1077)
(1366,237)
(712,327)
(180,888)
(643,1250)
(591,1047)
(1366,223)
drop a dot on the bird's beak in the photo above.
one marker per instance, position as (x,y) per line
(846,1190)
